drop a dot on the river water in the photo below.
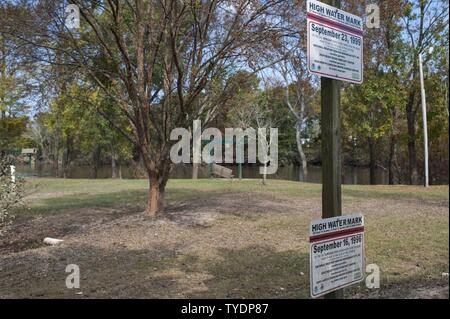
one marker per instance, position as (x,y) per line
(350,175)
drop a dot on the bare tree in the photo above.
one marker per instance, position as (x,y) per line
(424,22)
(155,59)
(297,79)
(293,71)
(257,113)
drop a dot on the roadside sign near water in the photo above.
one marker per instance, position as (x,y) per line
(336,253)
(335,43)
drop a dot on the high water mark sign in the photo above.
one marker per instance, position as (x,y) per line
(336,253)
(335,43)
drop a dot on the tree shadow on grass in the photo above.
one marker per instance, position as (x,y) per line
(162,271)
(104,273)
(204,210)
(77,214)
(256,272)
(159,272)
(135,198)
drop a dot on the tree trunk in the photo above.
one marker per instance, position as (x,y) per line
(392,153)
(155,205)
(56,164)
(412,156)
(195,170)
(137,164)
(113,163)
(94,172)
(138,170)
(372,161)
(66,158)
(264,180)
(65,165)
(55,158)
(113,167)
(95,161)
(301,153)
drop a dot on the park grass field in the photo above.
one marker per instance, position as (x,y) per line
(218,239)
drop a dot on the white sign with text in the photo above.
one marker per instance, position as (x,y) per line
(335,43)
(336,253)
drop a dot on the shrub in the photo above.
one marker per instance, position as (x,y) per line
(11,193)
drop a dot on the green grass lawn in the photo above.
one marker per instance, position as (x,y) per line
(220,238)
(58,194)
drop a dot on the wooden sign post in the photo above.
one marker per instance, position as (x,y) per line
(335,53)
(331,154)
(331,150)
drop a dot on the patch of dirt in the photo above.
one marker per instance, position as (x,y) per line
(29,233)
(203,212)
(436,290)
(201,247)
